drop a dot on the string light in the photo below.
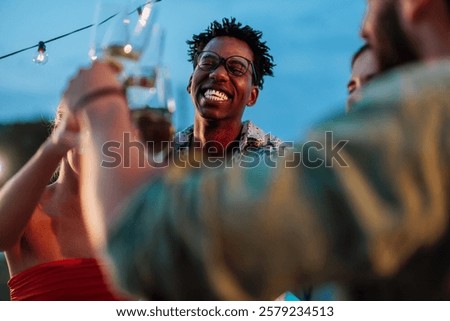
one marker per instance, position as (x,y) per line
(41,56)
(65,35)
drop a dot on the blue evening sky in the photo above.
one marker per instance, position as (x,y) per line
(311,41)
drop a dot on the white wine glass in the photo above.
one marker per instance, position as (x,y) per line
(131,32)
(121,33)
(142,82)
(154,118)
(147,92)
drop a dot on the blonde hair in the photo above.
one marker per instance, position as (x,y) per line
(53,125)
(58,114)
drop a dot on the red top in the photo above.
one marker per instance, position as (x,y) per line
(65,280)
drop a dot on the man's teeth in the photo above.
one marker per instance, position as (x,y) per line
(215,95)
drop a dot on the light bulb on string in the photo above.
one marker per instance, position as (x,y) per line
(41,56)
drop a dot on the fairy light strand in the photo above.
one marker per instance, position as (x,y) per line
(70,33)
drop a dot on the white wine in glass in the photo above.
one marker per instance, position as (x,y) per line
(128,32)
(141,87)
(153,114)
(143,79)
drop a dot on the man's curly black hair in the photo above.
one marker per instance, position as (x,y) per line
(263,61)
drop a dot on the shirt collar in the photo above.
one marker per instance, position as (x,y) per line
(250,136)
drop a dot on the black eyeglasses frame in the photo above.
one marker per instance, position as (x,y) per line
(223,62)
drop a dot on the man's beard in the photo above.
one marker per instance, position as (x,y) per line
(393,47)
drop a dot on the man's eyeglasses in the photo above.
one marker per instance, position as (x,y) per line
(235,65)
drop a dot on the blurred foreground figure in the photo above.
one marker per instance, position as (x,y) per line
(359,201)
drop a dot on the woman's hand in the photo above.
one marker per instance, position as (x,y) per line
(66,134)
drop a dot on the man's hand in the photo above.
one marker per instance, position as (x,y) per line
(100,76)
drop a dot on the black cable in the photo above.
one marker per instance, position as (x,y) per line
(72,32)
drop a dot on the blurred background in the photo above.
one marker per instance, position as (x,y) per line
(311,42)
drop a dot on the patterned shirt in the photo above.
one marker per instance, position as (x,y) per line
(251,138)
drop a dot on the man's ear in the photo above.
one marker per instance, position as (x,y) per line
(412,10)
(188,88)
(253,96)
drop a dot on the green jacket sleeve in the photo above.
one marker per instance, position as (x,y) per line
(356,200)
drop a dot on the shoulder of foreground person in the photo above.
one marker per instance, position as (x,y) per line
(252,233)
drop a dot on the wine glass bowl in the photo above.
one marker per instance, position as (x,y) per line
(134,42)
(127,34)
(141,87)
(152,109)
